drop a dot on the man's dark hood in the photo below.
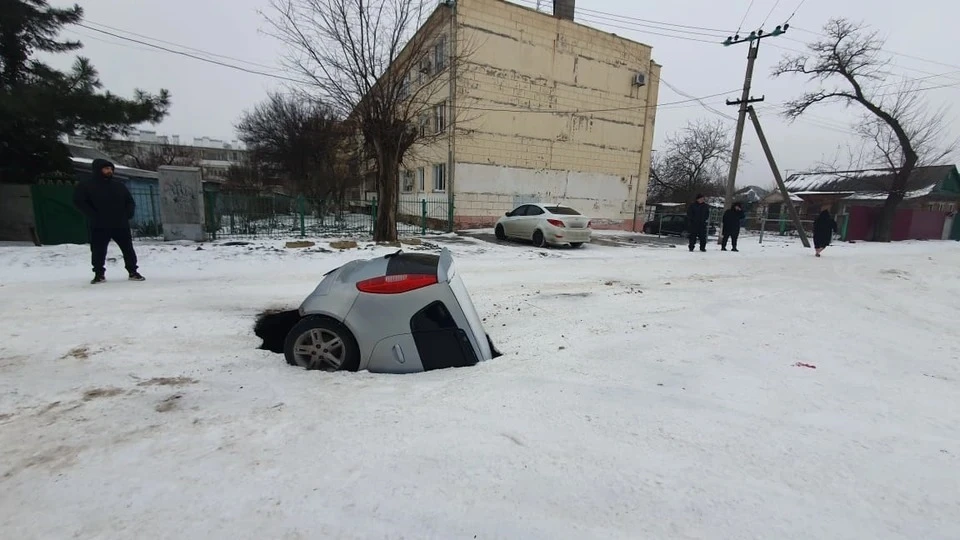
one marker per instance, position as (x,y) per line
(98,165)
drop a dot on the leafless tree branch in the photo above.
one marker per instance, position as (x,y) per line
(692,161)
(376,63)
(898,129)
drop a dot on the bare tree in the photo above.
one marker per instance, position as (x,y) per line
(299,139)
(367,59)
(150,157)
(901,130)
(692,161)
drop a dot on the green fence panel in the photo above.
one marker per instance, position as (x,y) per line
(58,221)
(266,215)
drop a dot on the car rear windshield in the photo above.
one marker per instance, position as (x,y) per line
(412,263)
(563,211)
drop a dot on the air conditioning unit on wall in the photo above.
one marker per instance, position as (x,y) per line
(640,79)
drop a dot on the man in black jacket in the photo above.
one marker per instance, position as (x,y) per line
(109,207)
(698,214)
(731,226)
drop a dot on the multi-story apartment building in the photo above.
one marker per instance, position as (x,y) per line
(534,108)
(146,149)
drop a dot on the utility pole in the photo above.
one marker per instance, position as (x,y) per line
(776,175)
(753,41)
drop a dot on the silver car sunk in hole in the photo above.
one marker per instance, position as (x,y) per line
(545,225)
(402,313)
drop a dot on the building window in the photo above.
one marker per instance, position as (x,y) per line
(422,179)
(406,179)
(440,117)
(440,177)
(424,125)
(405,87)
(440,54)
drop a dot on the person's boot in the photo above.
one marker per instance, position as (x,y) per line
(135,276)
(98,278)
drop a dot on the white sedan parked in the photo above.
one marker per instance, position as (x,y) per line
(545,225)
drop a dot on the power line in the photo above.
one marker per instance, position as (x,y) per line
(195,57)
(712,34)
(651,32)
(630,18)
(767,18)
(664,26)
(739,26)
(585,111)
(888,51)
(795,10)
(699,100)
(181,46)
(280,77)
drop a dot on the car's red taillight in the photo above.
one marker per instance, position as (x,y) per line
(400,283)
(556,222)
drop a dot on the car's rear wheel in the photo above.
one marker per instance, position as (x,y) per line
(322,343)
(576,244)
(538,239)
(498,232)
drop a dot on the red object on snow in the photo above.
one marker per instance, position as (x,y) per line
(801,364)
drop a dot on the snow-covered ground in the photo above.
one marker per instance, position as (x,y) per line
(644,393)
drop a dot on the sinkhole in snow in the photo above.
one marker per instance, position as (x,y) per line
(272,327)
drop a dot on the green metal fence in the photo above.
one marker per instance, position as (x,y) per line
(245,215)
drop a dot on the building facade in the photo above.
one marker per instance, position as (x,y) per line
(927,212)
(146,149)
(531,107)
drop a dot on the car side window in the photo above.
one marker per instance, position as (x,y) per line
(519,211)
(534,210)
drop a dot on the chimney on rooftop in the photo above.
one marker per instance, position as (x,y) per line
(563,9)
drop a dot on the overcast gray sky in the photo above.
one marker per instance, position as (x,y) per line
(208,99)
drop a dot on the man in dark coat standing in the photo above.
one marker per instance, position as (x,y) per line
(698,214)
(108,207)
(731,226)
(824,228)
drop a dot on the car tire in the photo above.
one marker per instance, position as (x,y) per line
(498,232)
(538,239)
(576,245)
(348,352)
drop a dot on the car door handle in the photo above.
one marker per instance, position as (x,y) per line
(398,353)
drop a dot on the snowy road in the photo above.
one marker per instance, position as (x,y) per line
(644,393)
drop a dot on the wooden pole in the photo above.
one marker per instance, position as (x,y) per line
(776,174)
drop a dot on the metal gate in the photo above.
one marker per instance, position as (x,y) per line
(58,220)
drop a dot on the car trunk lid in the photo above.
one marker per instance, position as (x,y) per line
(447,272)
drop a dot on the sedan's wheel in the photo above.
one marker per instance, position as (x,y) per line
(576,244)
(498,232)
(538,239)
(321,343)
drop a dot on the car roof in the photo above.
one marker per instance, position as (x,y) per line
(546,206)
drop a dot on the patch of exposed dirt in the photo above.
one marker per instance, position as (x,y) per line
(343,244)
(56,458)
(168,381)
(80,353)
(169,403)
(101,393)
